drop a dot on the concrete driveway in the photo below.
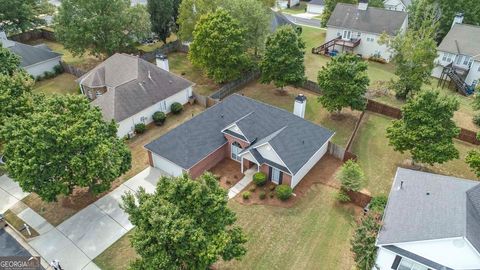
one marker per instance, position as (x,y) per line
(10,193)
(84,236)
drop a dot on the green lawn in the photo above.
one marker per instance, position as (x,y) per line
(316,231)
(380,161)
(61,84)
(180,65)
(314,112)
(152,47)
(298,9)
(85,62)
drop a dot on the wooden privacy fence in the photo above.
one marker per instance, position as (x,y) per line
(171,47)
(383,109)
(359,198)
(233,86)
(32,35)
(77,72)
(340,152)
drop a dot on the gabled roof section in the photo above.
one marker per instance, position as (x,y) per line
(31,55)
(133,85)
(200,136)
(424,206)
(317,2)
(372,20)
(462,39)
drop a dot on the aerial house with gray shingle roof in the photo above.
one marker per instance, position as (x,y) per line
(279,143)
(357,29)
(129,90)
(431,222)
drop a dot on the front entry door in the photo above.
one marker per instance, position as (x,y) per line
(347,34)
(276,175)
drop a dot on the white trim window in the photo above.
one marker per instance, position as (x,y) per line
(447,57)
(406,264)
(276,175)
(236,148)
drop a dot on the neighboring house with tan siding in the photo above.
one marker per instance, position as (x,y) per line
(256,135)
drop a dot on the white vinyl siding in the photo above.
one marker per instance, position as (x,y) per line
(309,165)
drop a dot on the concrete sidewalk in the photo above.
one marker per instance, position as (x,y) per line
(242,184)
(85,235)
(10,193)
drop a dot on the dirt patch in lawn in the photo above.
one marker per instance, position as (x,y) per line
(228,172)
(322,173)
(65,207)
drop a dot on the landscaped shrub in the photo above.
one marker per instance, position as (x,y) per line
(378,203)
(476,120)
(272,194)
(159,118)
(262,195)
(260,179)
(48,75)
(252,189)
(246,195)
(176,108)
(58,69)
(284,192)
(364,239)
(351,176)
(140,128)
(272,187)
(342,196)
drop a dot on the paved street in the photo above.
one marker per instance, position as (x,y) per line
(303,20)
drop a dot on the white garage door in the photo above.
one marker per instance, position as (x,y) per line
(314,9)
(166,166)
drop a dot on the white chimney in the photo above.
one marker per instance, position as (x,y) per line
(162,61)
(458,19)
(300,105)
(363,4)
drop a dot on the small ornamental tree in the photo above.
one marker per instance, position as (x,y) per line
(218,46)
(351,176)
(426,129)
(473,160)
(283,61)
(364,239)
(343,82)
(162,15)
(184,224)
(61,144)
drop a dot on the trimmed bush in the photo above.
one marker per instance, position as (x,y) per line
(272,187)
(176,108)
(260,179)
(272,194)
(262,195)
(159,118)
(342,197)
(58,69)
(351,176)
(252,189)
(140,128)
(284,192)
(378,203)
(246,195)
(476,120)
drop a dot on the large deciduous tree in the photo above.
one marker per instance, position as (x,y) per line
(426,129)
(190,12)
(101,27)
(63,143)
(218,46)
(255,18)
(473,160)
(184,224)
(162,17)
(15,95)
(9,62)
(449,9)
(343,82)
(283,61)
(22,15)
(413,54)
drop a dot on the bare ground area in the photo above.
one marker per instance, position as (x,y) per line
(229,173)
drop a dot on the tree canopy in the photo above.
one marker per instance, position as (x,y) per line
(283,61)
(185,224)
(63,143)
(190,12)
(162,17)
(473,160)
(448,10)
(344,82)
(101,27)
(351,176)
(218,46)
(426,129)
(15,95)
(22,15)
(364,240)
(9,62)
(414,53)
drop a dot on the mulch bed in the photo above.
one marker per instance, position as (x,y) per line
(322,173)
(229,173)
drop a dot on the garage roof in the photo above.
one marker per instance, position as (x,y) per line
(296,140)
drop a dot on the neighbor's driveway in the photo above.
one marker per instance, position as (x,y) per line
(84,236)
(10,193)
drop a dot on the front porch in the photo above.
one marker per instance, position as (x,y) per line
(275,173)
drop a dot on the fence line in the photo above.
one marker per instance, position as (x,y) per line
(32,35)
(234,86)
(355,131)
(171,47)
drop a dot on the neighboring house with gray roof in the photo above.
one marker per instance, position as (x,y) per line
(129,90)
(358,28)
(316,6)
(36,60)
(279,143)
(397,5)
(431,222)
(459,52)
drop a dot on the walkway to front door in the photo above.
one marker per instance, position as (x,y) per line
(246,180)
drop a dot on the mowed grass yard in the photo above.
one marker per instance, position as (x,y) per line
(313,234)
(314,112)
(380,161)
(61,84)
(180,65)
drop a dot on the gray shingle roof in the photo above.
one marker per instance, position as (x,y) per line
(372,20)
(317,2)
(431,206)
(278,19)
(133,85)
(31,55)
(462,39)
(195,139)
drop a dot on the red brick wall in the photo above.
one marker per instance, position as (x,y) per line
(232,139)
(286,178)
(247,164)
(150,159)
(209,161)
